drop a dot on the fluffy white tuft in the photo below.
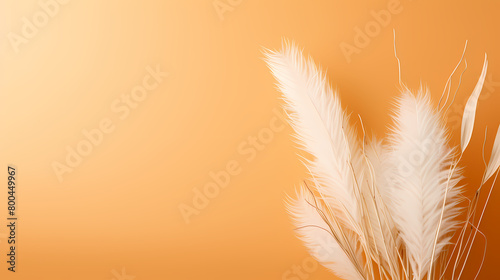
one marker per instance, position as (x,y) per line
(319,239)
(422,161)
(322,129)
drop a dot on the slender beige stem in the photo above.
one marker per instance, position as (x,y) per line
(478,223)
(441,216)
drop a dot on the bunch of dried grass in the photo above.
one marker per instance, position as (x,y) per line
(384,209)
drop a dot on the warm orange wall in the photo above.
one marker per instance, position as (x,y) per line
(119,207)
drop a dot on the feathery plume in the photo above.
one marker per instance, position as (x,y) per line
(376,210)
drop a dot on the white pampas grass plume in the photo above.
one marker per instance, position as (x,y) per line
(322,130)
(382,209)
(423,159)
(313,227)
(377,194)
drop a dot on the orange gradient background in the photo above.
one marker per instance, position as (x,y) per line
(119,208)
